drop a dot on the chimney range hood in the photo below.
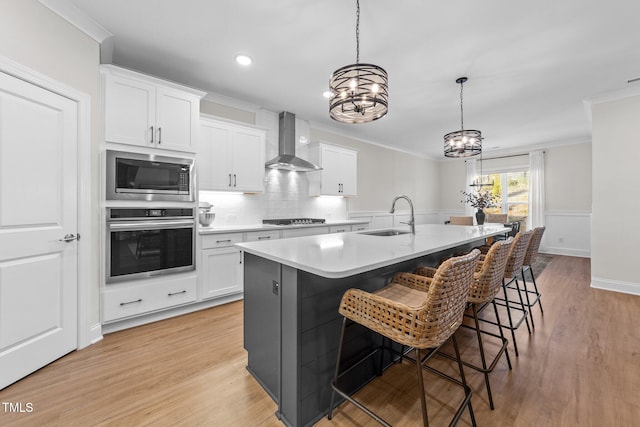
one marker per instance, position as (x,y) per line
(286,158)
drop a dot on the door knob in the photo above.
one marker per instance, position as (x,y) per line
(69,238)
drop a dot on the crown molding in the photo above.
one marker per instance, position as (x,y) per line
(78,18)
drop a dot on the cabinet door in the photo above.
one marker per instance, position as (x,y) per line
(248,160)
(129,111)
(348,173)
(331,173)
(222,272)
(215,155)
(176,119)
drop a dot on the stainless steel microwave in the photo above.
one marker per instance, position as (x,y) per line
(136,176)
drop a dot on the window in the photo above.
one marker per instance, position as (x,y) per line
(512,188)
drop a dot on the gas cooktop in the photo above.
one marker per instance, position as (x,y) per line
(293,221)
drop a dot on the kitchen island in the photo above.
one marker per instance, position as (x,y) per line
(292,290)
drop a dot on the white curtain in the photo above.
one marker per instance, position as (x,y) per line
(472,174)
(536,190)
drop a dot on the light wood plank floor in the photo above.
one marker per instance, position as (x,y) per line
(580,367)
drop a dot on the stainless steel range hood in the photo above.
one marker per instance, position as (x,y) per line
(286,158)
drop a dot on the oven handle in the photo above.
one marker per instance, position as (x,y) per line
(150,225)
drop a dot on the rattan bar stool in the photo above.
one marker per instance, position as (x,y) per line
(514,266)
(487,282)
(529,259)
(417,312)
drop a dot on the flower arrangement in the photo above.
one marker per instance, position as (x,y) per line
(481,199)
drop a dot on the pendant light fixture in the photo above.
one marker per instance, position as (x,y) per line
(463,142)
(358,92)
(480,181)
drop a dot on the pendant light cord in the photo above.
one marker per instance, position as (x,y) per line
(461,109)
(357,31)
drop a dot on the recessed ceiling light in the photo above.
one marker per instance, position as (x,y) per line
(243,60)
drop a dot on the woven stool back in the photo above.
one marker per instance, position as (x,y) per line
(517,253)
(534,245)
(488,280)
(425,326)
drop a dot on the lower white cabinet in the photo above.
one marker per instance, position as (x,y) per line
(124,300)
(307,231)
(220,265)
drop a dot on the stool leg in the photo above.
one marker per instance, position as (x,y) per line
(526,293)
(484,362)
(467,389)
(513,332)
(506,351)
(334,383)
(423,398)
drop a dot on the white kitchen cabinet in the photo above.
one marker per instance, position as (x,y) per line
(339,173)
(305,231)
(220,265)
(231,157)
(127,299)
(149,112)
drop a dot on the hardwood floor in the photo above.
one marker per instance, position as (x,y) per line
(579,367)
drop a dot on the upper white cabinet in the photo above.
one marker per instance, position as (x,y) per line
(339,174)
(230,156)
(146,111)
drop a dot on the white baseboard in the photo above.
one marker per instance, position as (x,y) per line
(615,285)
(551,250)
(95,334)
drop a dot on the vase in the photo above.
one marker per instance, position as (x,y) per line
(480,216)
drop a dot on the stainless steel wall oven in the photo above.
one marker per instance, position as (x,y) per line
(144,242)
(136,176)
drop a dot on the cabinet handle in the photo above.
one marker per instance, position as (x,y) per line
(159,135)
(235,181)
(122,304)
(152,134)
(264,237)
(340,231)
(240,260)
(170,294)
(223,241)
(229,180)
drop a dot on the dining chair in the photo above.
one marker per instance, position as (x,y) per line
(415,311)
(496,218)
(461,220)
(487,282)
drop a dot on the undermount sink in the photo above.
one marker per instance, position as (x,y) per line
(385,232)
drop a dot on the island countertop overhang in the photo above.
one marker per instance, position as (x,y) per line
(345,254)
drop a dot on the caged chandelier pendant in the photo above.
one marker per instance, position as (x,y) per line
(358,92)
(463,142)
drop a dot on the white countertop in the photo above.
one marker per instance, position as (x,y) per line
(345,254)
(261,227)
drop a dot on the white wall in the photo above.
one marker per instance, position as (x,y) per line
(616,195)
(37,38)
(384,173)
(567,193)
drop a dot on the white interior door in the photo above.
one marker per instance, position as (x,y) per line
(38,207)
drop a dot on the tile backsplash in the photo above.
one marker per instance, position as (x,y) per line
(286,195)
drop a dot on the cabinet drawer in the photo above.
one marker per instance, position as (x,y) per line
(339,228)
(131,299)
(253,236)
(220,240)
(360,227)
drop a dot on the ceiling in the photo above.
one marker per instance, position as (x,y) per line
(530,64)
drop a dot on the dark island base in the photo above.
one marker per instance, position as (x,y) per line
(292,327)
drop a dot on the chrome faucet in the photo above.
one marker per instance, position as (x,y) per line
(412,221)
